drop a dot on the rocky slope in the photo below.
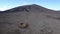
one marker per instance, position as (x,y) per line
(29,19)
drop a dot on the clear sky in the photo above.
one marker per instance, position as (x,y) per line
(8,4)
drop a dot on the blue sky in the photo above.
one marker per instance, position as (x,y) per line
(50,4)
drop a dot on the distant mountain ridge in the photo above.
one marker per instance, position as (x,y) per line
(26,8)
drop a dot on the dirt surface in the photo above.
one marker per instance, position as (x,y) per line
(29,19)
